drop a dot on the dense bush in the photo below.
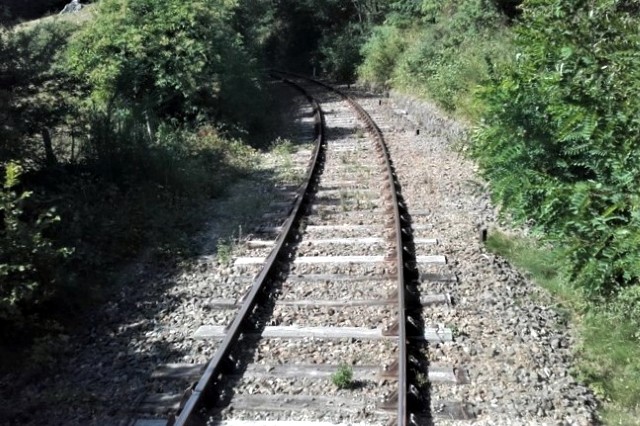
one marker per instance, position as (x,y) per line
(440,49)
(560,129)
(147,96)
(29,262)
(381,53)
(167,59)
(35,93)
(340,53)
(560,141)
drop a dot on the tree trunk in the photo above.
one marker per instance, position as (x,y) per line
(48,149)
(73,147)
(149,127)
(357,6)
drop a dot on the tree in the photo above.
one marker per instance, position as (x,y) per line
(36,94)
(165,58)
(29,261)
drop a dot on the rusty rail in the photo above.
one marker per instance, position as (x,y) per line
(199,396)
(202,394)
(401,235)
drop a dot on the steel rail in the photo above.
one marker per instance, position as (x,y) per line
(198,400)
(404,270)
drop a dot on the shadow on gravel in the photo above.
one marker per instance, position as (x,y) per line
(344,133)
(100,374)
(262,314)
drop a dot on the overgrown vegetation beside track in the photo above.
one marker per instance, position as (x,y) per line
(115,124)
(551,87)
(551,90)
(441,50)
(112,126)
(112,139)
(608,349)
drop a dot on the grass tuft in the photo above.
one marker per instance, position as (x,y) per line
(343,377)
(224,250)
(542,264)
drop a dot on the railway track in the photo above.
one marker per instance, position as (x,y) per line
(336,291)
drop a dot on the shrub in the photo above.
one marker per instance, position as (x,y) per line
(35,93)
(440,50)
(29,261)
(343,377)
(182,162)
(381,53)
(167,58)
(560,139)
(340,53)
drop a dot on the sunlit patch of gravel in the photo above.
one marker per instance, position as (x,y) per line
(356,404)
(365,416)
(337,290)
(362,249)
(365,389)
(349,232)
(349,316)
(517,348)
(325,351)
(356,269)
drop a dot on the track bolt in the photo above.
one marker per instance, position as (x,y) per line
(414,391)
(413,419)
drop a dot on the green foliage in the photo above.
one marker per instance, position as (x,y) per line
(29,261)
(182,162)
(543,264)
(143,162)
(169,58)
(35,94)
(440,49)
(283,147)
(381,53)
(302,34)
(610,351)
(559,142)
(343,377)
(341,53)
(405,13)
(149,202)
(224,250)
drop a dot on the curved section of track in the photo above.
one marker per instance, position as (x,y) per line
(191,410)
(398,264)
(404,253)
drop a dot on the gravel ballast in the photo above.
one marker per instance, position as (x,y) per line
(516,348)
(104,369)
